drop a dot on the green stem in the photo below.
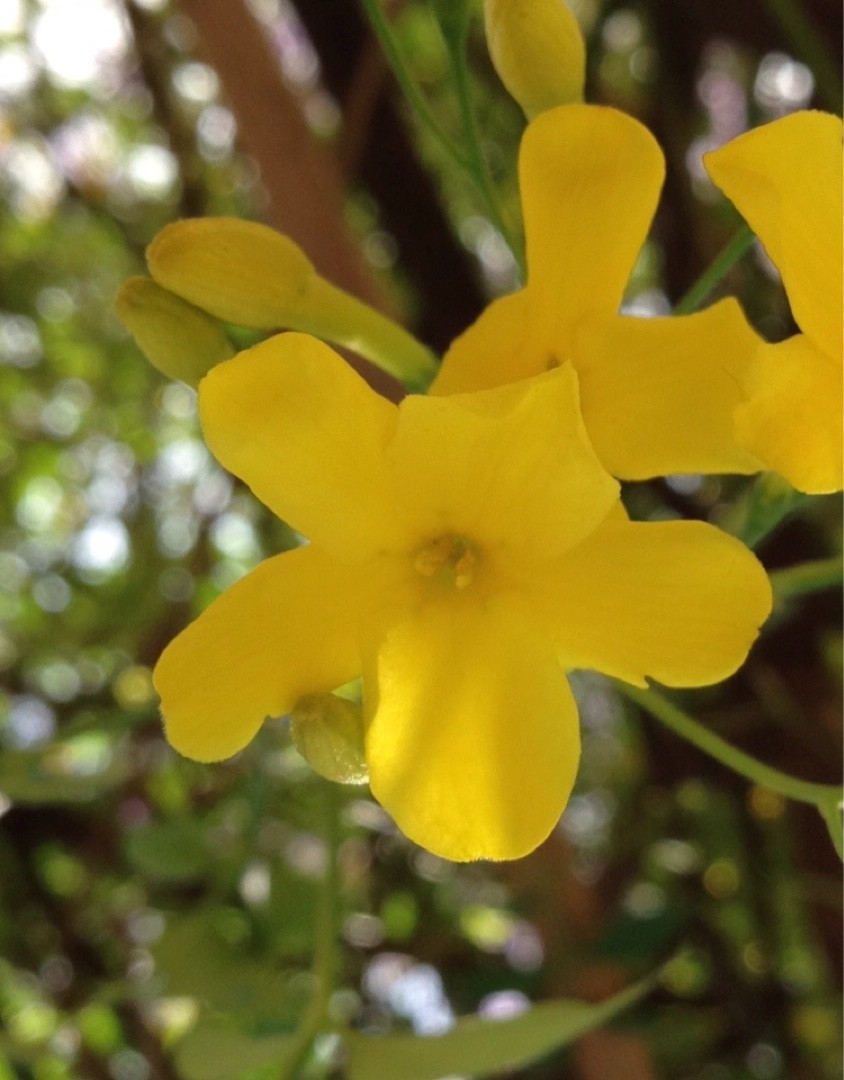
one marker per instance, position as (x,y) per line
(821,796)
(761,508)
(407,83)
(718,268)
(808,577)
(478,167)
(324,970)
(810,47)
(472,162)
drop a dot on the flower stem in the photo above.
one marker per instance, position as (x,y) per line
(471,161)
(826,798)
(477,166)
(810,47)
(808,577)
(324,969)
(761,508)
(718,268)
(403,77)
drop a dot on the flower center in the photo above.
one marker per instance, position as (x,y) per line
(451,560)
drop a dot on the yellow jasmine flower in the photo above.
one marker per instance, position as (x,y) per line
(786,179)
(538,51)
(463,552)
(658,395)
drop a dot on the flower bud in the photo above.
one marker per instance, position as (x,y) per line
(251,275)
(239,271)
(327,731)
(538,51)
(176,337)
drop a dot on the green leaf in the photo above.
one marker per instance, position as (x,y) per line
(202,955)
(215,1051)
(42,777)
(477,1047)
(169,850)
(830,811)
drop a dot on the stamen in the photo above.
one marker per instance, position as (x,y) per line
(464,569)
(434,556)
(451,559)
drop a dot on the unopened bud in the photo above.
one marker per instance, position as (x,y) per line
(537,49)
(240,271)
(251,275)
(176,337)
(327,731)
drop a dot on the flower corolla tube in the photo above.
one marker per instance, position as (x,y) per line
(463,553)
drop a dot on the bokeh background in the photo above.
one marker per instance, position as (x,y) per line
(146,900)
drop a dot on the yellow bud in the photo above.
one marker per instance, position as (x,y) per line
(176,337)
(328,732)
(240,271)
(250,275)
(538,51)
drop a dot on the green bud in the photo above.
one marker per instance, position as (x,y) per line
(176,337)
(327,731)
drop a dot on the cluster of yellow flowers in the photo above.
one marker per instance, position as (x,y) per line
(468,546)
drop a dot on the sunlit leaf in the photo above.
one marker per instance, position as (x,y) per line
(215,1051)
(477,1047)
(202,956)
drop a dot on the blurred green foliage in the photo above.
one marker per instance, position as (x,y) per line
(156,916)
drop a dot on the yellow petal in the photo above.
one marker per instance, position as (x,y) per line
(250,275)
(786,179)
(176,337)
(494,350)
(511,468)
(307,434)
(792,421)
(289,628)
(678,601)
(590,179)
(538,51)
(659,395)
(473,746)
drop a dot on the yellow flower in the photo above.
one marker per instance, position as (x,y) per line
(786,179)
(463,552)
(538,51)
(658,395)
